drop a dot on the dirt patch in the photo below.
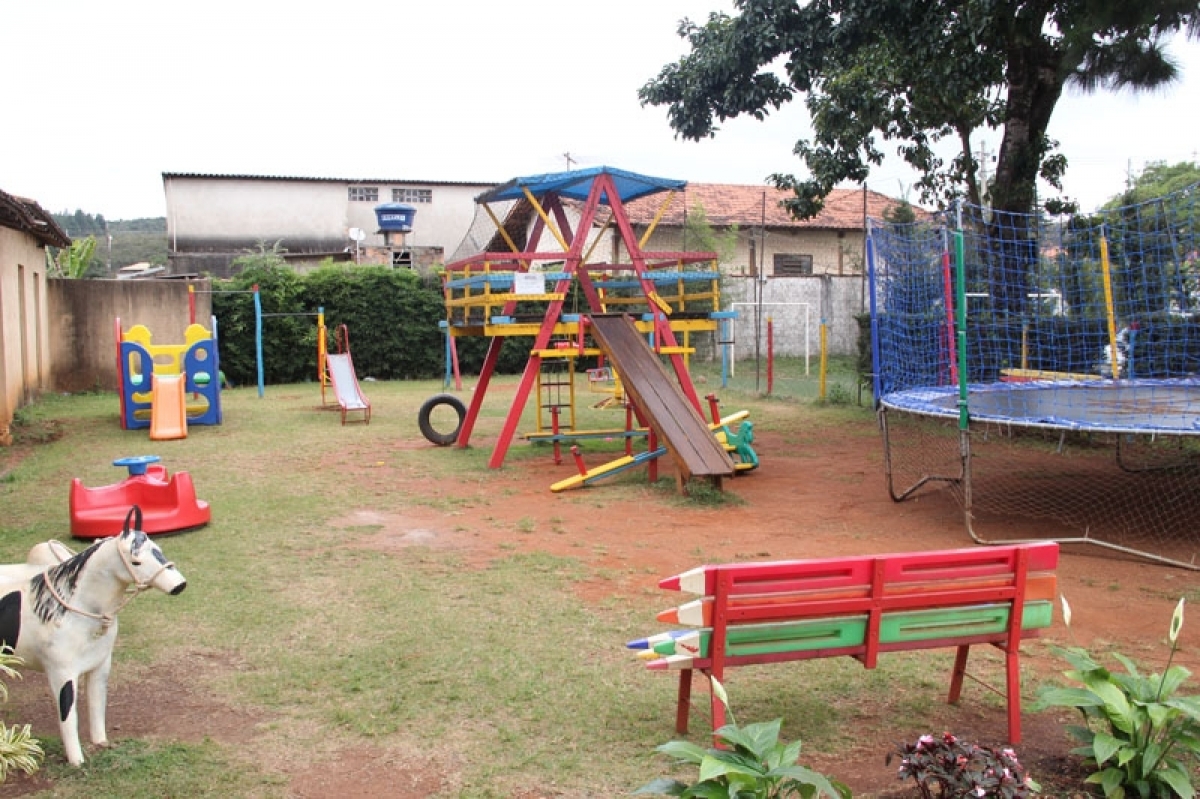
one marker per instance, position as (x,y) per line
(809,499)
(814,499)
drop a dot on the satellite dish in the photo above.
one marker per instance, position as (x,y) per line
(357,234)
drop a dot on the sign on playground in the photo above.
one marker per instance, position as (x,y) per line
(529,283)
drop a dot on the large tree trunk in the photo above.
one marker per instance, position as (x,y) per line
(1035,81)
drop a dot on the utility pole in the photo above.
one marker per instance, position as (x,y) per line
(570,160)
(982,160)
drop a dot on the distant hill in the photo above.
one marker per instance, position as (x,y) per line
(133,240)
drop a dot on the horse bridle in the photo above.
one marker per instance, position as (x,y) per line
(134,588)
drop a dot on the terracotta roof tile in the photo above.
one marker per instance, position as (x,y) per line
(27,216)
(727,204)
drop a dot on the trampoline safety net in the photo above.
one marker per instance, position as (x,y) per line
(1046,371)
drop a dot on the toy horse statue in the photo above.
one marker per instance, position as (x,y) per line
(58,613)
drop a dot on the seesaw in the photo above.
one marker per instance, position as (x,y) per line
(168,502)
(737,444)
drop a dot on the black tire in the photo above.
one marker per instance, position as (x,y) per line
(423,420)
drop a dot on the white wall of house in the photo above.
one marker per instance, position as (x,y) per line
(830,252)
(24,337)
(217,214)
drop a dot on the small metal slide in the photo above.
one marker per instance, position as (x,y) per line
(345,386)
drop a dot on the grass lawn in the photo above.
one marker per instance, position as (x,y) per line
(301,639)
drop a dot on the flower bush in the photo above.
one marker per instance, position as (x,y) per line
(948,767)
(756,765)
(1141,737)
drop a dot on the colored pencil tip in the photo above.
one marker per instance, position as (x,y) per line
(669,583)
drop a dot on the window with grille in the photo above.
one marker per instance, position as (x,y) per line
(364,194)
(412,195)
(793,265)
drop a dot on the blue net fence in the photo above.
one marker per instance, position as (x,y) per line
(1046,370)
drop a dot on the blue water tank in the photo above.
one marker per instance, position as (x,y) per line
(395,217)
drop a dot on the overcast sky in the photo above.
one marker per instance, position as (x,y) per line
(106,96)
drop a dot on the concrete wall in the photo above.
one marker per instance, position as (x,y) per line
(24,335)
(83,348)
(796,306)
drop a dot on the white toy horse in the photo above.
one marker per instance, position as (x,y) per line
(60,616)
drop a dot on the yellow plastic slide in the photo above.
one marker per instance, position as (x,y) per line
(168,408)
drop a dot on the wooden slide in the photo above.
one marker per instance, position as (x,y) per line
(687,437)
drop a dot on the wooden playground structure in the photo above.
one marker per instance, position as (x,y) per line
(641,309)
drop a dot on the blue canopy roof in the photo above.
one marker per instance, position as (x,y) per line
(577,185)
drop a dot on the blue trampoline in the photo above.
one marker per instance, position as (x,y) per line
(1163,407)
(1011,357)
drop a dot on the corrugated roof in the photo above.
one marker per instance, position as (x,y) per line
(19,213)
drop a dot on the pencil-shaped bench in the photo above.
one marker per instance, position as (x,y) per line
(858,606)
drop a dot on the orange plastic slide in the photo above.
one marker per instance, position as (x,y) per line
(168,408)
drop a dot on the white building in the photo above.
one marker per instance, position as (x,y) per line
(212,219)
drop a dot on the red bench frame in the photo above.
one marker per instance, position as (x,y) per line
(745,593)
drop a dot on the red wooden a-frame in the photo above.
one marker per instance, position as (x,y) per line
(594,188)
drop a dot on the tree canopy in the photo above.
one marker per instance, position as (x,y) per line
(1157,179)
(914,73)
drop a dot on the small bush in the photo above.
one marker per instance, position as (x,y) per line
(948,767)
(754,763)
(18,748)
(1141,737)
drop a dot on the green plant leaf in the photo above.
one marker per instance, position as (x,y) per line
(786,756)
(1154,752)
(683,750)
(1104,746)
(1129,665)
(806,776)
(1187,705)
(663,787)
(1160,715)
(1171,680)
(1179,781)
(1116,704)
(758,738)
(716,766)
(710,790)
(1067,697)
(1110,781)
(1078,658)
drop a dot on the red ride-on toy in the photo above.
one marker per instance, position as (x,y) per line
(168,502)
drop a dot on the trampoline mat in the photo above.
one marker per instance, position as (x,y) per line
(1169,407)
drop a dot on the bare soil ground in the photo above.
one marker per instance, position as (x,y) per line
(807,501)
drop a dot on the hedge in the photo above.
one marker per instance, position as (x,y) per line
(391,319)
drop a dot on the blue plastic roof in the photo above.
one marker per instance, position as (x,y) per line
(577,185)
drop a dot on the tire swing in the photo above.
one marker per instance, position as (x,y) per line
(426,424)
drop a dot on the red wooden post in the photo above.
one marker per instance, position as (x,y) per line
(554,430)
(770,355)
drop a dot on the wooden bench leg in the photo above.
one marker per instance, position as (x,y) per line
(1012,663)
(683,701)
(960,671)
